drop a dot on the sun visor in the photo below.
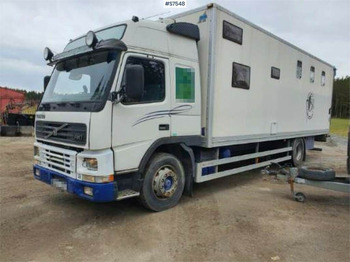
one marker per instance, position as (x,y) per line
(184,29)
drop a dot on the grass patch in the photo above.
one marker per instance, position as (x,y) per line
(339,126)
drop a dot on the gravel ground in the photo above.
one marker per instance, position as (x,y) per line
(245,217)
(335,140)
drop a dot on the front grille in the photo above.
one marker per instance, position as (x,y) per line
(61,160)
(71,133)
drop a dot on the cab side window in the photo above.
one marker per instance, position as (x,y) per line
(154,77)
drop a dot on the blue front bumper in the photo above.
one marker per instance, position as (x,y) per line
(105,192)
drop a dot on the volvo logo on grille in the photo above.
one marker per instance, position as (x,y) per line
(55,130)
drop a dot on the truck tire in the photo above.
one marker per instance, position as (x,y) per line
(298,152)
(164,182)
(317,174)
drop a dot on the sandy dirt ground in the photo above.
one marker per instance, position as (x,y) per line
(245,217)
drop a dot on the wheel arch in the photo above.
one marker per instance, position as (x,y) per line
(180,148)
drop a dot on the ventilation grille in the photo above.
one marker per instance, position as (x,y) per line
(71,133)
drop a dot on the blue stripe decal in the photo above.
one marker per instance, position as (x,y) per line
(162,113)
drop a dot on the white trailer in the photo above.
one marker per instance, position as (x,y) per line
(145,108)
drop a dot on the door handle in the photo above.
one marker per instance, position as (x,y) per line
(163,127)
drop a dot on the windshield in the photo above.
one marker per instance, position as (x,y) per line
(84,79)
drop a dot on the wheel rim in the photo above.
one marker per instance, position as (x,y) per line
(299,152)
(165,182)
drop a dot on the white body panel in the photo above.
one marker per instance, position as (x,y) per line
(270,109)
(100,128)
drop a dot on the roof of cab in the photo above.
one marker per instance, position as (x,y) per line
(152,37)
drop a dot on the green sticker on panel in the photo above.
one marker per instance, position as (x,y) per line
(185,85)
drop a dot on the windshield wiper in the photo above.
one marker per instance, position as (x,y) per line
(75,104)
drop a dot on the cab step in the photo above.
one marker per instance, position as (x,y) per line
(127,193)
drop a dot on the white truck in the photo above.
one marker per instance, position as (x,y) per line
(147,108)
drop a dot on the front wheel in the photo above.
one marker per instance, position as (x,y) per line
(164,182)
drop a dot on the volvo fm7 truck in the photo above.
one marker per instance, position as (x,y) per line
(147,108)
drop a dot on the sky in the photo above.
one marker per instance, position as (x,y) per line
(320,27)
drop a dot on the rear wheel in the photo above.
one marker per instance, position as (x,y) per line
(298,153)
(164,182)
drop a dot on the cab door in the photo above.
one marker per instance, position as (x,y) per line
(136,124)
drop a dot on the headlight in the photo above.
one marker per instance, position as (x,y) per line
(48,54)
(88,191)
(37,172)
(98,179)
(90,163)
(91,39)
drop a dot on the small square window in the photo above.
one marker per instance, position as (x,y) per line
(275,72)
(312,74)
(323,78)
(240,76)
(232,33)
(185,85)
(299,69)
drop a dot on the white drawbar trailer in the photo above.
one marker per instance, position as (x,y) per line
(145,108)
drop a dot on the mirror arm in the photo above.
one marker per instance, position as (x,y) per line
(117,97)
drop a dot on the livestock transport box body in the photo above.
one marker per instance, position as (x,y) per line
(147,108)
(256,86)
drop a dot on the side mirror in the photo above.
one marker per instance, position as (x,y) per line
(134,81)
(46,81)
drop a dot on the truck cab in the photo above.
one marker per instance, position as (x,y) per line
(111,102)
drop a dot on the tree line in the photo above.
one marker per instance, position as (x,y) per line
(33,95)
(340,99)
(28,95)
